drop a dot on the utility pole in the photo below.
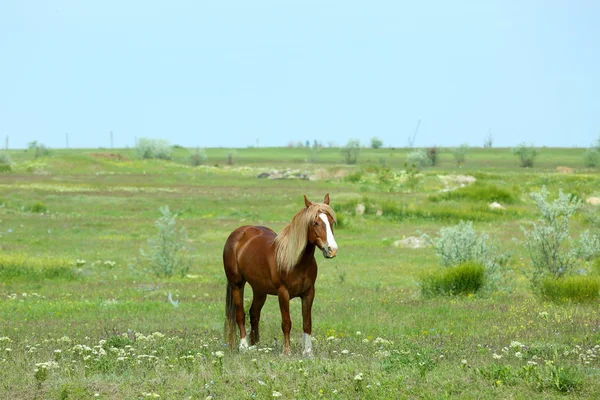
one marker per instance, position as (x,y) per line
(411,141)
(67,139)
(111,139)
(6,144)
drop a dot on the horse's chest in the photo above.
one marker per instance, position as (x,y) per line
(300,284)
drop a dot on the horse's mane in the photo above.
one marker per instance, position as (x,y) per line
(291,241)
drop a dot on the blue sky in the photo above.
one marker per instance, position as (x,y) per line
(238,73)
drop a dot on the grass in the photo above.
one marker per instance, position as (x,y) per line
(375,335)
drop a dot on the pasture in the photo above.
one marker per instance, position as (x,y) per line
(83,317)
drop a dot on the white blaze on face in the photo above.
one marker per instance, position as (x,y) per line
(330,239)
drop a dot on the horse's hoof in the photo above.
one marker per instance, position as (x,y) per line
(308,354)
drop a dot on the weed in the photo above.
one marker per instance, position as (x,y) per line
(167,251)
(477,192)
(577,288)
(24,267)
(463,279)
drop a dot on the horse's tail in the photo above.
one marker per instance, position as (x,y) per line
(229,333)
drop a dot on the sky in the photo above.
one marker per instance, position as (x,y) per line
(267,73)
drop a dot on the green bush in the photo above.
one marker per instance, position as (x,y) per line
(576,288)
(418,158)
(5,162)
(591,158)
(463,279)
(167,251)
(153,149)
(526,154)
(460,154)
(38,149)
(376,142)
(37,207)
(552,250)
(350,151)
(198,157)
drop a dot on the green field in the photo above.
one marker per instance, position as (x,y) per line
(105,329)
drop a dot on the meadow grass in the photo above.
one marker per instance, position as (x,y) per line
(82,314)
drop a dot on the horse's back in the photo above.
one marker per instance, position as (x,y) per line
(249,254)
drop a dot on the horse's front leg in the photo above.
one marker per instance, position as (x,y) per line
(286,321)
(307,301)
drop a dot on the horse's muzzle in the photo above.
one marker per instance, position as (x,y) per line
(329,252)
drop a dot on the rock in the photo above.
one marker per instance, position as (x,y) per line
(360,209)
(411,242)
(595,201)
(496,206)
(565,170)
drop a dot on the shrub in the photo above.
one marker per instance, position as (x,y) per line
(167,251)
(376,142)
(551,249)
(5,162)
(350,151)
(577,288)
(153,149)
(37,207)
(461,244)
(418,158)
(38,149)
(432,155)
(591,157)
(460,154)
(198,157)
(526,154)
(463,279)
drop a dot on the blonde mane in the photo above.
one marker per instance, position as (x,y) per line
(291,241)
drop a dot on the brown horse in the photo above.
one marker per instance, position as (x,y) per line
(282,265)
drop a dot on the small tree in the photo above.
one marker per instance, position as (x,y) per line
(198,157)
(38,149)
(552,251)
(418,158)
(488,142)
(460,154)
(432,155)
(5,162)
(376,142)
(591,157)
(526,154)
(167,251)
(461,247)
(153,149)
(351,151)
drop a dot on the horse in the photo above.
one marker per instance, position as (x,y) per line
(281,265)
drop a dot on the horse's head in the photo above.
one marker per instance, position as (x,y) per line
(320,229)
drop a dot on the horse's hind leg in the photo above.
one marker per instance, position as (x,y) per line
(237,292)
(258,301)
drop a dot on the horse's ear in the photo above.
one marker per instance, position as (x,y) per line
(326,199)
(307,202)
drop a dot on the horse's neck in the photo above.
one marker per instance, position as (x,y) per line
(309,253)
